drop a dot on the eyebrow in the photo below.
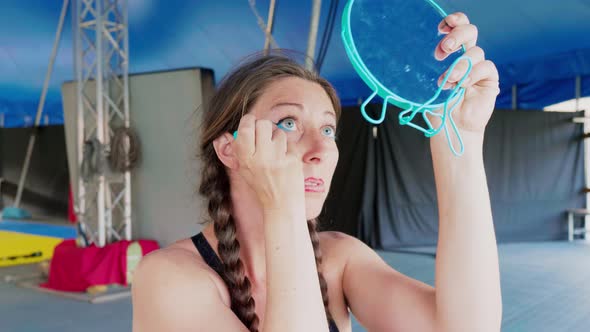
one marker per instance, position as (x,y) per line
(300,107)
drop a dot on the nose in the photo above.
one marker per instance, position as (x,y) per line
(315,146)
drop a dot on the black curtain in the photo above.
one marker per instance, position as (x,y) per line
(346,195)
(384,193)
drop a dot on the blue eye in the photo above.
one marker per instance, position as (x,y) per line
(329,131)
(287,124)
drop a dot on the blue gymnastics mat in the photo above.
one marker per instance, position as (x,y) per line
(35,228)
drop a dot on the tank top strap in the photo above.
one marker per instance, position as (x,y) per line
(207,253)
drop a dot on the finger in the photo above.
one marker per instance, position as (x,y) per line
(461,35)
(292,149)
(484,74)
(263,136)
(452,21)
(476,55)
(245,145)
(279,138)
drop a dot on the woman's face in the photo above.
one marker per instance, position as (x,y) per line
(305,112)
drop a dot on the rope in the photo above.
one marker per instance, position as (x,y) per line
(124,154)
(93,159)
(125,150)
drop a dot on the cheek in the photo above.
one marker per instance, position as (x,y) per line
(332,162)
(293,136)
(334,158)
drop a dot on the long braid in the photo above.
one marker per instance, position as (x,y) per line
(315,241)
(215,186)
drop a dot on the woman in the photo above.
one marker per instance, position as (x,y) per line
(254,268)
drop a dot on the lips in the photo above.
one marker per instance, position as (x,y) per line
(314,185)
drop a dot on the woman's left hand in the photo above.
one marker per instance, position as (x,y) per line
(482,84)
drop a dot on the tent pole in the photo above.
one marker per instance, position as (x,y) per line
(578,92)
(269,25)
(586,152)
(313,34)
(260,21)
(514,97)
(33,136)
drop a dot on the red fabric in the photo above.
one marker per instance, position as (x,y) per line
(71,213)
(75,269)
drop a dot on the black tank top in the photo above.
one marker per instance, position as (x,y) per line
(214,262)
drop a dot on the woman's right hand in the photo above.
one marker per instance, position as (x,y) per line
(269,164)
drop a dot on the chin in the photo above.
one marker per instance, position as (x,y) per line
(313,208)
(311,214)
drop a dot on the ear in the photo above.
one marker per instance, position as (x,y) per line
(223,149)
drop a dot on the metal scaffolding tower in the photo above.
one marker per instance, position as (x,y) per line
(101,47)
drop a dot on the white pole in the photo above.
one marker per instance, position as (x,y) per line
(33,136)
(100,118)
(80,202)
(269,24)
(313,34)
(127,198)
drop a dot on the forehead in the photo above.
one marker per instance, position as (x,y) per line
(294,90)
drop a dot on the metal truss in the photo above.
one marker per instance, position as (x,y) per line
(101,55)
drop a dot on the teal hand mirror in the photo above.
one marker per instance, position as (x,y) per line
(391,45)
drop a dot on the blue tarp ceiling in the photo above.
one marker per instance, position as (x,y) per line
(539,45)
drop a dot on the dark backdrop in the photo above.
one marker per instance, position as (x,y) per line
(46,188)
(384,193)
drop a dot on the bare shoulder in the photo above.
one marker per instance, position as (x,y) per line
(172,263)
(339,244)
(173,291)
(337,249)
(335,236)
(167,274)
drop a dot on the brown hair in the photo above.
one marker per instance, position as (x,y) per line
(236,93)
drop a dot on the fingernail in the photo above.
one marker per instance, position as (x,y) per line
(449,44)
